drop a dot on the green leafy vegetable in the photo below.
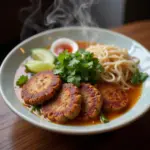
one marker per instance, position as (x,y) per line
(22,80)
(103,118)
(36,108)
(78,67)
(138,77)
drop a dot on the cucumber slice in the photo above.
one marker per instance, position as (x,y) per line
(43,55)
(36,66)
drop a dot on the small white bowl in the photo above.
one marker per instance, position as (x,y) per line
(61,41)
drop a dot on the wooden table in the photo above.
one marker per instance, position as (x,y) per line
(17,134)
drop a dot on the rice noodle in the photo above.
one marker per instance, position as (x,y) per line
(118,64)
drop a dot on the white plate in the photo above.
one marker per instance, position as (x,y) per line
(15,57)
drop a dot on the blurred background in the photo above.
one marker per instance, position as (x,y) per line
(23,18)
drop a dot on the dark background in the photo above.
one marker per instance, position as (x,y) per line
(10,26)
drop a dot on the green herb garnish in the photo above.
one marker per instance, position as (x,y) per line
(22,80)
(78,67)
(103,118)
(138,77)
(36,108)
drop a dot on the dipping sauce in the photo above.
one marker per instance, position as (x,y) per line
(62,47)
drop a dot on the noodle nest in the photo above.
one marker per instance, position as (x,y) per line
(118,64)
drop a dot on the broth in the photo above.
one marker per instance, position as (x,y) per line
(133,94)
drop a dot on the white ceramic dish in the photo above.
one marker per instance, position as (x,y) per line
(60,41)
(15,57)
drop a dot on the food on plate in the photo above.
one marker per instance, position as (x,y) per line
(119,66)
(95,83)
(114,98)
(40,88)
(36,66)
(62,44)
(78,67)
(42,54)
(103,118)
(138,77)
(91,101)
(22,80)
(42,60)
(65,106)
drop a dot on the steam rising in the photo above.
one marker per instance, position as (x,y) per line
(41,16)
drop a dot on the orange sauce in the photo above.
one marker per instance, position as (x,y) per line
(83,45)
(59,49)
(133,94)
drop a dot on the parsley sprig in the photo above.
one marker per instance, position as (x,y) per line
(103,118)
(78,67)
(22,80)
(138,77)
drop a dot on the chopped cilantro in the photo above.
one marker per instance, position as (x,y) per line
(36,108)
(138,77)
(78,67)
(22,80)
(103,118)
